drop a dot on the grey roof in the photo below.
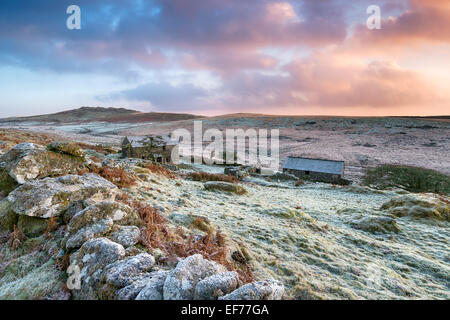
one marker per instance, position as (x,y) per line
(137,141)
(315,165)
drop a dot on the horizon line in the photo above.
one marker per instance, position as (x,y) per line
(235,113)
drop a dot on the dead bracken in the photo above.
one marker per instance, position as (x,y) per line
(156,233)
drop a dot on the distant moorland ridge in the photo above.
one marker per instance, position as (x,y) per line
(117,115)
(89,114)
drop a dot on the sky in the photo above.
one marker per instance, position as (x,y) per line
(211,57)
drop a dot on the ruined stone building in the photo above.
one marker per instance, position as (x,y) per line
(160,149)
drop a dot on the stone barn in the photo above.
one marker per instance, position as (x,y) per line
(160,149)
(322,170)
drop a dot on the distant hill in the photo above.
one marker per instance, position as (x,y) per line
(89,114)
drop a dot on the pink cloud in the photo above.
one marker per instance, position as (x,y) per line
(425,21)
(324,81)
(228,62)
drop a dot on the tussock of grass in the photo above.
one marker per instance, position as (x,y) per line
(413,179)
(225,186)
(204,176)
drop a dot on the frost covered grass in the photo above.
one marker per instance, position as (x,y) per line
(28,269)
(306,237)
(157,234)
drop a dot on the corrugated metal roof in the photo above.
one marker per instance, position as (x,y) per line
(137,141)
(315,165)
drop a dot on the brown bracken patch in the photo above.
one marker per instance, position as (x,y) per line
(16,238)
(160,170)
(118,176)
(174,242)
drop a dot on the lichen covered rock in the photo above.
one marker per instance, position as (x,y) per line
(261,290)
(91,259)
(216,285)
(28,161)
(70,148)
(89,232)
(181,282)
(52,196)
(131,291)
(98,220)
(153,289)
(123,273)
(127,236)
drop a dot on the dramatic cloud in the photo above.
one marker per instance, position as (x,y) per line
(164,95)
(425,21)
(316,81)
(133,31)
(264,55)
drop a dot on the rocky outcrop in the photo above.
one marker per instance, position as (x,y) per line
(260,290)
(127,236)
(102,236)
(89,232)
(98,219)
(123,273)
(216,285)
(181,282)
(153,289)
(28,161)
(131,291)
(107,272)
(91,259)
(70,148)
(51,196)
(224,186)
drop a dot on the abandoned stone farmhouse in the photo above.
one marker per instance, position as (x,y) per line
(160,149)
(322,170)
